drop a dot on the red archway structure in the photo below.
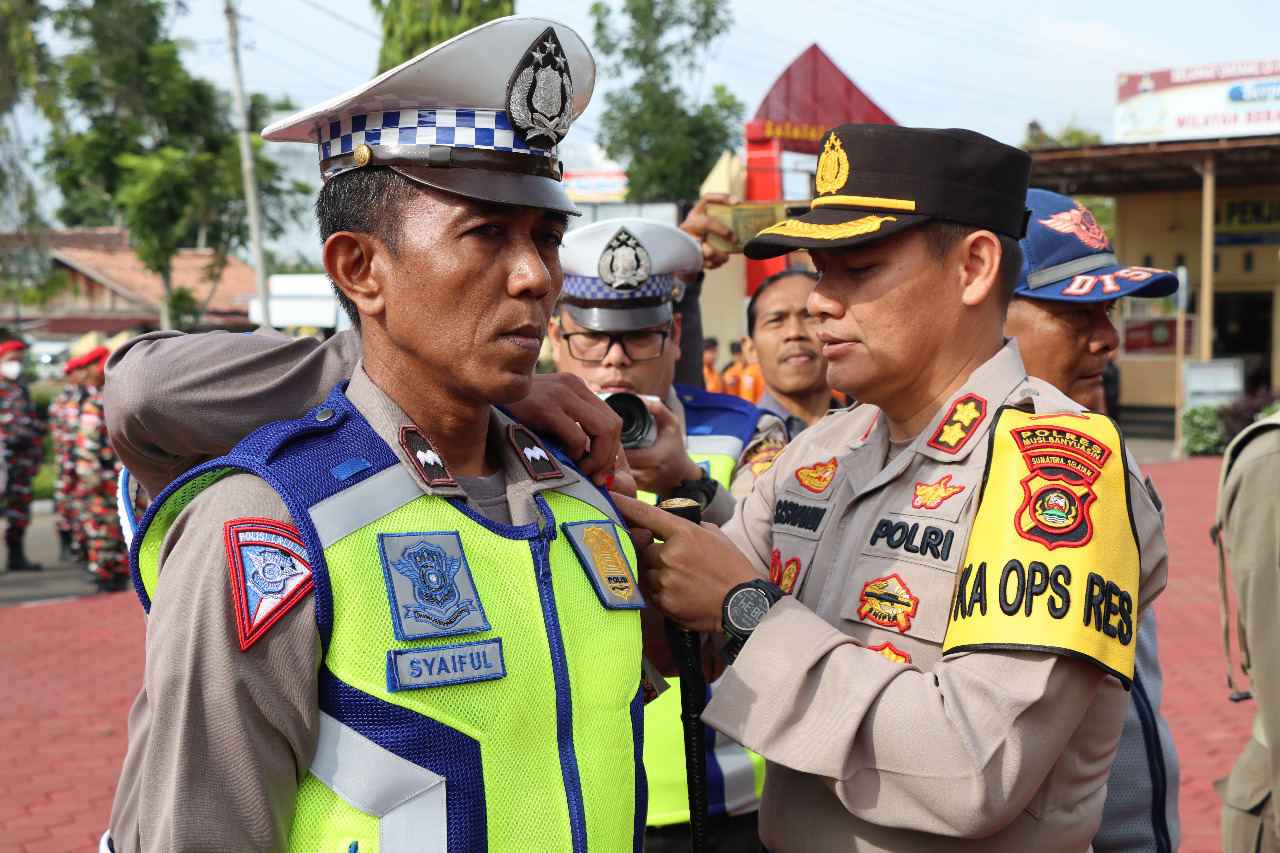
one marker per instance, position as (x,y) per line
(806,100)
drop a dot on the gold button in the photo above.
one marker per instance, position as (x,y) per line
(363,153)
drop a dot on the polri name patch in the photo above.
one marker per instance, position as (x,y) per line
(412,669)
(429,585)
(598,548)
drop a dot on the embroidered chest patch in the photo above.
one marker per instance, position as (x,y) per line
(600,552)
(269,573)
(783,574)
(761,458)
(818,476)
(411,669)
(931,495)
(888,602)
(429,585)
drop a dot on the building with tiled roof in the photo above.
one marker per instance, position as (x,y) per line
(110,290)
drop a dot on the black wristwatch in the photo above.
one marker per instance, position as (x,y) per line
(743,609)
(702,490)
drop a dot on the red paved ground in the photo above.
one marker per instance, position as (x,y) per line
(70,670)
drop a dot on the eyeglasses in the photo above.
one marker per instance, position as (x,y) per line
(640,345)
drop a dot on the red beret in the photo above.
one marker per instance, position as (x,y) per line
(92,356)
(10,346)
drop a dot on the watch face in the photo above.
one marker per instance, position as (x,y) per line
(746,608)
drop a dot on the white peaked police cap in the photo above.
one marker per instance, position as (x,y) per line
(620,274)
(479,115)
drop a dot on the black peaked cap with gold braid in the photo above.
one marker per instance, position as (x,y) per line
(875,180)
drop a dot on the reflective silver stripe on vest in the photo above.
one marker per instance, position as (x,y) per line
(713,445)
(408,800)
(588,494)
(364,503)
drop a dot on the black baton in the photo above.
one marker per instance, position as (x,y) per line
(686,647)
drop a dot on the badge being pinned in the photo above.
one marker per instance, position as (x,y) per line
(600,551)
(269,573)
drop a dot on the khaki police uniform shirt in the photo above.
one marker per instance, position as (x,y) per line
(174,400)
(219,739)
(1249,511)
(981,751)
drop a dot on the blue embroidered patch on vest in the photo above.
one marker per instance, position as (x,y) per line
(598,549)
(429,585)
(411,669)
(269,573)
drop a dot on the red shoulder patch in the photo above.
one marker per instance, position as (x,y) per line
(269,573)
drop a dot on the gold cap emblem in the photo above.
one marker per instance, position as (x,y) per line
(362,154)
(833,166)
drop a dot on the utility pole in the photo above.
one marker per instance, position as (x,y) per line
(247,167)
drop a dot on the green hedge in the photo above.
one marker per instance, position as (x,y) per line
(1202,432)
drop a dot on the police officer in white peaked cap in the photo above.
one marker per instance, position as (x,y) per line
(618,330)
(402,621)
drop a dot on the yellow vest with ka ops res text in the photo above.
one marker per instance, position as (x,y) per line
(1040,573)
(480,682)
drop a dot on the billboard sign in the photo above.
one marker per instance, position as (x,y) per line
(1199,102)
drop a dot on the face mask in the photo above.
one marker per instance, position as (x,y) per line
(11,369)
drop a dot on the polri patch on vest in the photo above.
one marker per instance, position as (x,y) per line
(598,548)
(269,573)
(426,459)
(540,464)
(962,421)
(429,585)
(438,666)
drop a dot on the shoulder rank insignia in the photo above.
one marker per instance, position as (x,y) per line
(888,603)
(425,457)
(1052,563)
(817,476)
(931,495)
(269,573)
(540,464)
(762,455)
(430,586)
(600,552)
(891,652)
(954,431)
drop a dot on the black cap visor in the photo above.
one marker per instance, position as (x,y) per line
(829,227)
(495,186)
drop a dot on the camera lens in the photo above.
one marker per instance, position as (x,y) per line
(638,427)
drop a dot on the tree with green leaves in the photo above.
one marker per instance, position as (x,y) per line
(150,146)
(1069,135)
(657,125)
(411,26)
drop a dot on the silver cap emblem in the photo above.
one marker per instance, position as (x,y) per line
(540,94)
(624,264)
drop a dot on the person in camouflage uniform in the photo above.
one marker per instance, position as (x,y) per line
(64,428)
(98,471)
(22,430)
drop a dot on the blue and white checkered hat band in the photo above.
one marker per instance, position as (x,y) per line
(586,287)
(484,129)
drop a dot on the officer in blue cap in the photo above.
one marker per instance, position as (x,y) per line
(1060,314)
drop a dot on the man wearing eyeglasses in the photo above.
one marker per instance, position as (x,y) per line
(616,328)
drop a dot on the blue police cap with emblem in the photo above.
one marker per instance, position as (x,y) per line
(1066,256)
(620,274)
(479,115)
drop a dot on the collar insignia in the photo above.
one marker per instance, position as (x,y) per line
(833,167)
(426,459)
(784,574)
(818,476)
(1057,492)
(894,654)
(540,464)
(888,602)
(430,586)
(624,263)
(1081,223)
(269,573)
(540,94)
(953,433)
(931,495)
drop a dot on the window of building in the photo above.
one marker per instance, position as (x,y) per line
(1248,262)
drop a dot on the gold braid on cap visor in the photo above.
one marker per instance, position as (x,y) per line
(836,231)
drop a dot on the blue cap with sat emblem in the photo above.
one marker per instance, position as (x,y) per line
(479,115)
(1066,256)
(620,274)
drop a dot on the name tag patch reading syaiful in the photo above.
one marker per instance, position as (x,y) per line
(410,669)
